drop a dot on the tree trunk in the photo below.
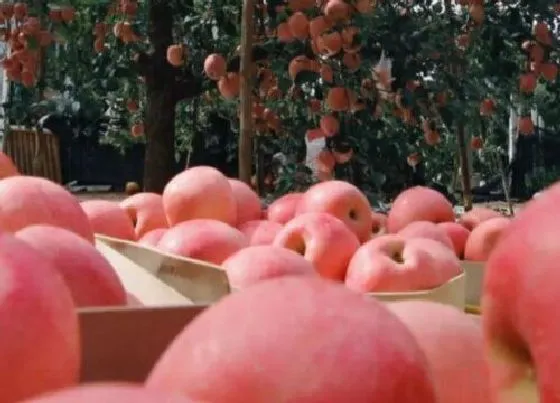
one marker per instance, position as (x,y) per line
(159,165)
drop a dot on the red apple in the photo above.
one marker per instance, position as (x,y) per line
(152,237)
(484,238)
(89,276)
(322,239)
(283,209)
(458,235)
(257,263)
(107,218)
(392,263)
(419,203)
(40,340)
(426,229)
(7,166)
(342,200)
(295,339)
(474,217)
(260,232)
(146,212)
(247,202)
(519,304)
(28,200)
(208,240)
(110,393)
(453,344)
(379,223)
(199,193)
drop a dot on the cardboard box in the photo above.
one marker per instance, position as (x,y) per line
(124,343)
(181,280)
(451,293)
(474,272)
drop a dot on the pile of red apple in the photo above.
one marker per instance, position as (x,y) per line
(300,328)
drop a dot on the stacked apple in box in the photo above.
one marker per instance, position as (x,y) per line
(326,231)
(48,267)
(299,329)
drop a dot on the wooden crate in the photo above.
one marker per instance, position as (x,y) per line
(23,145)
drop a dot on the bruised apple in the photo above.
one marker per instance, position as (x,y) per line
(146,212)
(40,341)
(519,304)
(295,339)
(28,200)
(323,240)
(199,193)
(342,200)
(477,215)
(283,209)
(110,393)
(257,263)
(453,344)
(260,232)
(392,263)
(89,276)
(458,235)
(107,218)
(208,240)
(426,229)
(419,203)
(484,238)
(248,203)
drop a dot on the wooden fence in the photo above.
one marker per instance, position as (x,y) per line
(34,154)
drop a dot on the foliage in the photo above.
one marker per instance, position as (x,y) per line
(445,64)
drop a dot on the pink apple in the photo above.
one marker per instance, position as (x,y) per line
(40,339)
(152,237)
(477,215)
(520,302)
(257,263)
(419,203)
(208,240)
(295,339)
(109,393)
(453,344)
(484,238)
(379,223)
(199,193)
(247,202)
(146,212)
(283,209)
(426,229)
(458,235)
(342,200)
(392,263)
(89,276)
(322,239)
(260,232)
(107,218)
(28,200)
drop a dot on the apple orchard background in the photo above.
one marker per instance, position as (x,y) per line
(322,69)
